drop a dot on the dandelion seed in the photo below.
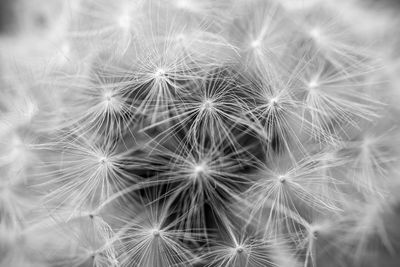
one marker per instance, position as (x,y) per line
(256,44)
(240,248)
(86,174)
(198,176)
(313,84)
(282,179)
(124,21)
(367,229)
(208,105)
(258,34)
(104,22)
(160,73)
(155,232)
(316,34)
(200,169)
(370,161)
(212,111)
(333,40)
(283,192)
(98,106)
(334,99)
(150,240)
(276,113)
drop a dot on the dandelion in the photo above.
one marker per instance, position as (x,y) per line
(240,248)
(334,99)
(172,133)
(87,172)
(104,22)
(258,34)
(85,240)
(371,162)
(283,191)
(200,42)
(199,177)
(276,113)
(96,105)
(315,233)
(158,80)
(369,230)
(211,112)
(332,39)
(150,239)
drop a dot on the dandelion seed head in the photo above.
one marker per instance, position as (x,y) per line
(313,84)
(255,44)
(159,73)
(315,233)
(282,179)
(239,249)
(199,169)
(208,105)
(274,101)
(110,101)
(108,96)
(316,229)
(124,21)
(103,160)
(155,232)
(316,34)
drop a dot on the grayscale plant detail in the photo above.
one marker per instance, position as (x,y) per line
(199,133)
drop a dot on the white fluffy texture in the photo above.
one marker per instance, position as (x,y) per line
(199,133)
